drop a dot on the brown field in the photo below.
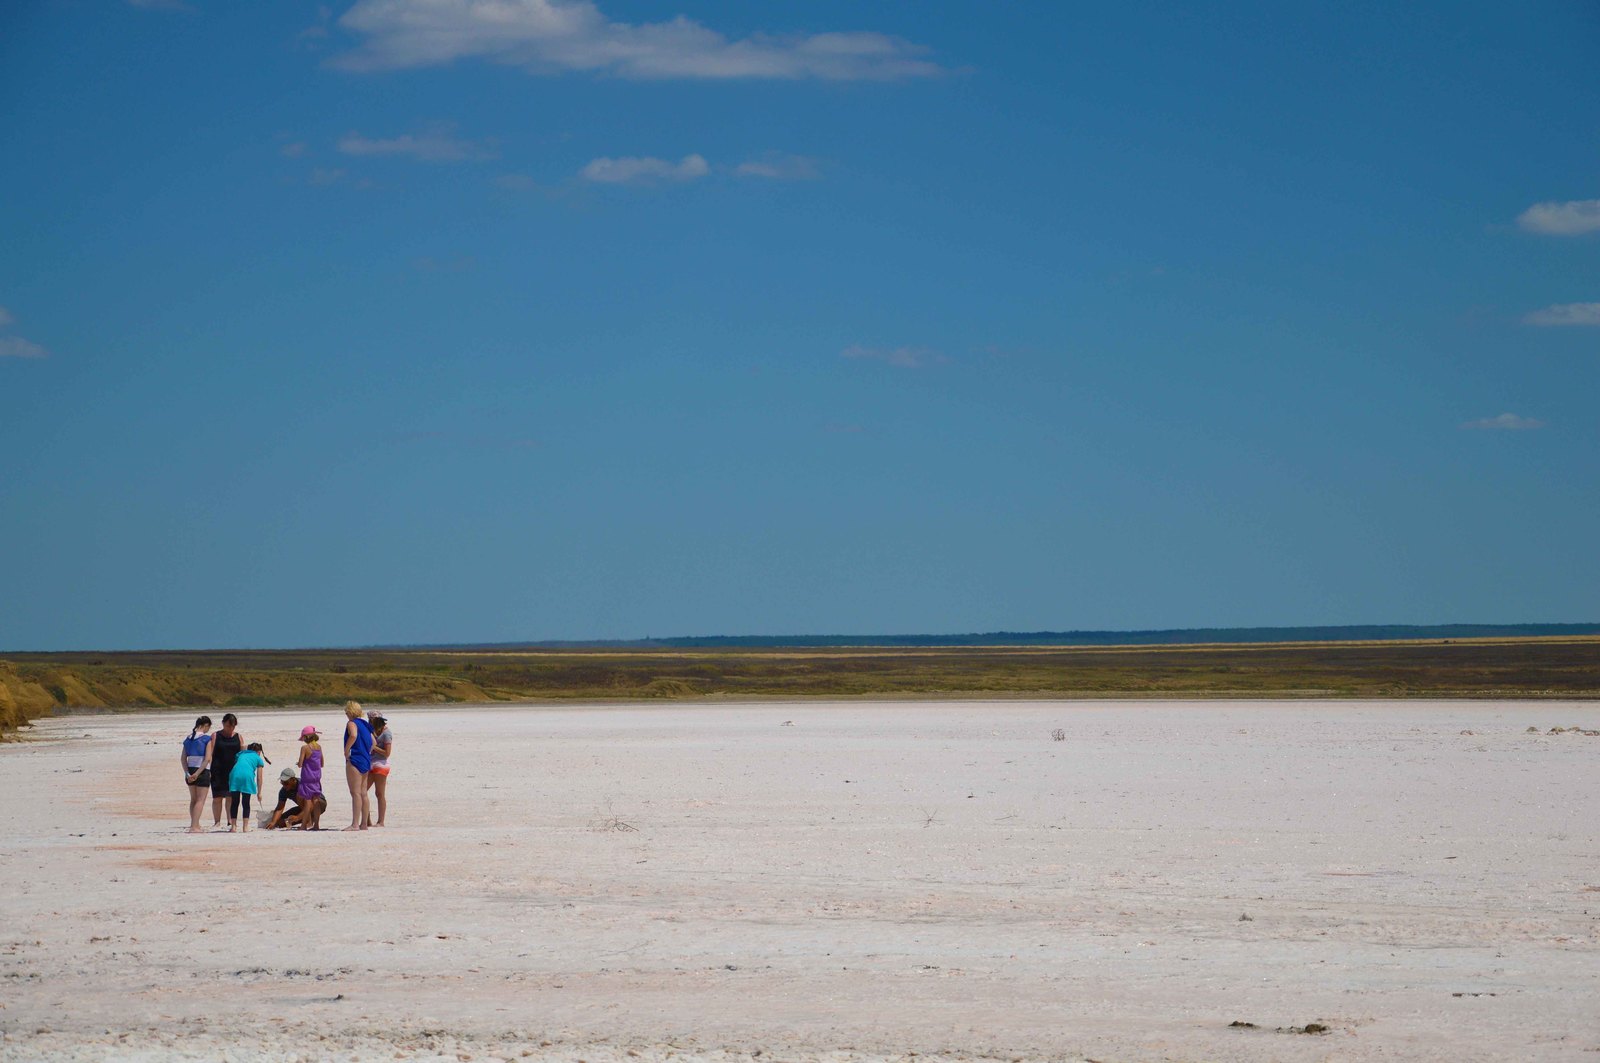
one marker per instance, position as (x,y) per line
(1562,667)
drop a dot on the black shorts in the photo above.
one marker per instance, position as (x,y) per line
(219,783)
(203,779)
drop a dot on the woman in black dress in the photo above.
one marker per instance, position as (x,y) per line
(224,750)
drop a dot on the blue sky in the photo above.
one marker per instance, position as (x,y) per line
(458,320)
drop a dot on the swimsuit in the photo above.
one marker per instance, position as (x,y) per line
(380,752)
(360,755)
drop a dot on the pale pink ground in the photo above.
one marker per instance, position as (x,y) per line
(870,881)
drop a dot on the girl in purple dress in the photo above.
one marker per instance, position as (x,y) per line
(311,779)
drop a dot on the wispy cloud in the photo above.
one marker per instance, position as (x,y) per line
(316,34)
(435,144)
(1572,218)
(294,150)
(777,166)
(1566,314)
(561,36)
(324,176)
(16,346)
(643,171)
(900,357)
(1506,422)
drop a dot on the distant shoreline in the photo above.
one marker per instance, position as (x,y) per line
(1556,666)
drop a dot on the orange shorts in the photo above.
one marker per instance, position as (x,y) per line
(379,769)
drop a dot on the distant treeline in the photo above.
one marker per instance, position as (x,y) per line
(1160,637)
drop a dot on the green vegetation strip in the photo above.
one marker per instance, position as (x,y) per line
(33,685)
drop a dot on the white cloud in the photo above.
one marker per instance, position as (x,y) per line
(560,36)
(1572,218)
(647,170)
(1566,314)
(17,347)
(779,167)
(436,144)
(294,150)
(901,357)
(6,318)
(1506,422)
(321,176)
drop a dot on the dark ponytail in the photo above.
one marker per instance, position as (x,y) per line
(204,721)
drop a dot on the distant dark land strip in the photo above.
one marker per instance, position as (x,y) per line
(1153,637)
(1566,666)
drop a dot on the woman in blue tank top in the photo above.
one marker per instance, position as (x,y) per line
(357,762)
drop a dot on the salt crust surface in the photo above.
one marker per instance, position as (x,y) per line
(870,882)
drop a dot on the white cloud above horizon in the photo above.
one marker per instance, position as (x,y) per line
(777,166)
(550,37)
(644,170)
(1574,217)
(1505,422)
(17,347)
(899,357)
(435,144)
(1566,314)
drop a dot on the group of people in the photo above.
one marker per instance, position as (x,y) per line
(230,771)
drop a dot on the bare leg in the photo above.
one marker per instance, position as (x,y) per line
(197,804)
(353,779)
(216,810)
(381,789)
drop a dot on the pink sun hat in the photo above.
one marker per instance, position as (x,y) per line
(307,730)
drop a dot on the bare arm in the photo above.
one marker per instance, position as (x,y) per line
(349,737)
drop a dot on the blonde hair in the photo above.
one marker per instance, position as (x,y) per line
(352,709)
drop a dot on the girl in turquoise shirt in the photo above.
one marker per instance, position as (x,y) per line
(243,783)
